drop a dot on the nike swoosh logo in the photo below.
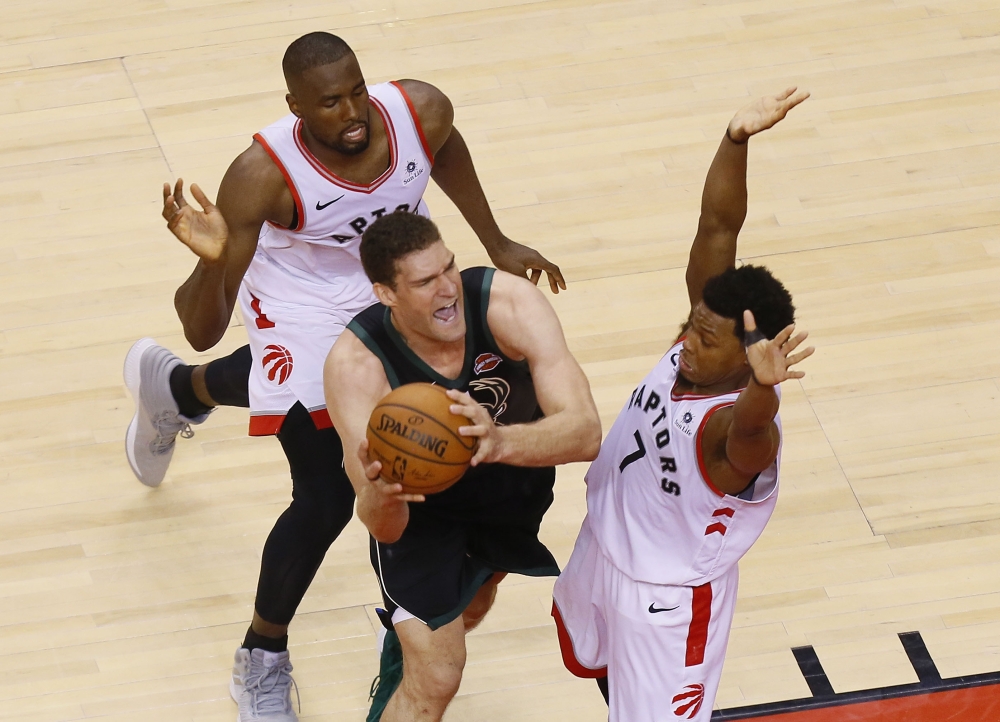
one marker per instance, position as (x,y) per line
(320,207)
(654,610)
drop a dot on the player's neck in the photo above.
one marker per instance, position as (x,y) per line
(727,385)
(447,358)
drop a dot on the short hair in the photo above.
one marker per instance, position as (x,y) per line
(752,288)
(311,51)
(392,237)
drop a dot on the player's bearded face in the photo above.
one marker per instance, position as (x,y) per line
(332,101)
(712,353)
(428,299)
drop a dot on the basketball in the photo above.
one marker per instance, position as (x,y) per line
(414,434)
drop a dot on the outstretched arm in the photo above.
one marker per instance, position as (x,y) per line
(724,200)
(455,173)
(571,429)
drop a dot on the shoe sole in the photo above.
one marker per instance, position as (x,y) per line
(133,381)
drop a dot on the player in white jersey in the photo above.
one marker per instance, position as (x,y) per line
(283,241)
(688,475)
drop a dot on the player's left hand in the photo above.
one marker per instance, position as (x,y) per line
(489,438)
(520,260)
(771,361)
(764,113)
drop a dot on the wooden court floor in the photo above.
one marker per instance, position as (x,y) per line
(592,124)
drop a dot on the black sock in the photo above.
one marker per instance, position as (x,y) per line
(602,682)
(183,392)
(226,378)
(268,644)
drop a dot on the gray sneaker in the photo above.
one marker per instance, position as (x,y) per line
(262,686)
(149,441)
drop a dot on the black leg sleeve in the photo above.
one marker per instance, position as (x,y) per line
(602,683)
(322,504)
(228,378)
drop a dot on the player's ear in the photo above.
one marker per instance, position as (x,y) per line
(385,295)
(293,105)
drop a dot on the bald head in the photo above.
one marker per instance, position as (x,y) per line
(310,51)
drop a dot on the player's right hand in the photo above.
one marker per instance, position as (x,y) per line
(204,232)
(385,493)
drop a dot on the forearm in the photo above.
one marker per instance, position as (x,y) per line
(561,438)
(754,410)
(724,199)
(202,306)
(456,175)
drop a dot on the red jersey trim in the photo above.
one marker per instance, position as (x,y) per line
(697,445)
(701,615)
(416,122)
(288,181)
(270,424)
(266,424)
(318,166)
(570,661)
(321,419)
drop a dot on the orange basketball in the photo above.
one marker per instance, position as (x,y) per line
(414,434)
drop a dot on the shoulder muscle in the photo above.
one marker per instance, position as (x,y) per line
(434,110)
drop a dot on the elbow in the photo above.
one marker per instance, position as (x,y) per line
(200,342)
(591,441)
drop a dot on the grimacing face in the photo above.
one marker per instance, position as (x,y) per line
(711,353)
(332,101)
(427,299)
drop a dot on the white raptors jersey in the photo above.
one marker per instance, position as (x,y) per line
(649,501)
(306,283)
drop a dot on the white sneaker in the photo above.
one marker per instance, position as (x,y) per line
(262,686)
(241,665)
(149,441)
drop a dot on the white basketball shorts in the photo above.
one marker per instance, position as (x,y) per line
(289,343)
(661,646)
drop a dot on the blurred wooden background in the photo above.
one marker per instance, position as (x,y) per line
(592,125)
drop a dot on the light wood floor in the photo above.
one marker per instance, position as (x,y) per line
(592,124)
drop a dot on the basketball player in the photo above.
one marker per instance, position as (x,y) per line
(493,340)
(688,475)
(283,241)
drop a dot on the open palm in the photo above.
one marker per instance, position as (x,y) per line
(204,232)
(771,360)
(764,112)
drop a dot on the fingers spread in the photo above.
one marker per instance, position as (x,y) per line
(796,358)
(785,334)
(179,198)
(536,273)
(199,196)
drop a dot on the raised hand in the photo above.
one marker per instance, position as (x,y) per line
(771,361)
(204,232)
(763,113)
(519,259)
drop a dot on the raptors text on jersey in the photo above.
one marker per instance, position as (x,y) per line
(650,503)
